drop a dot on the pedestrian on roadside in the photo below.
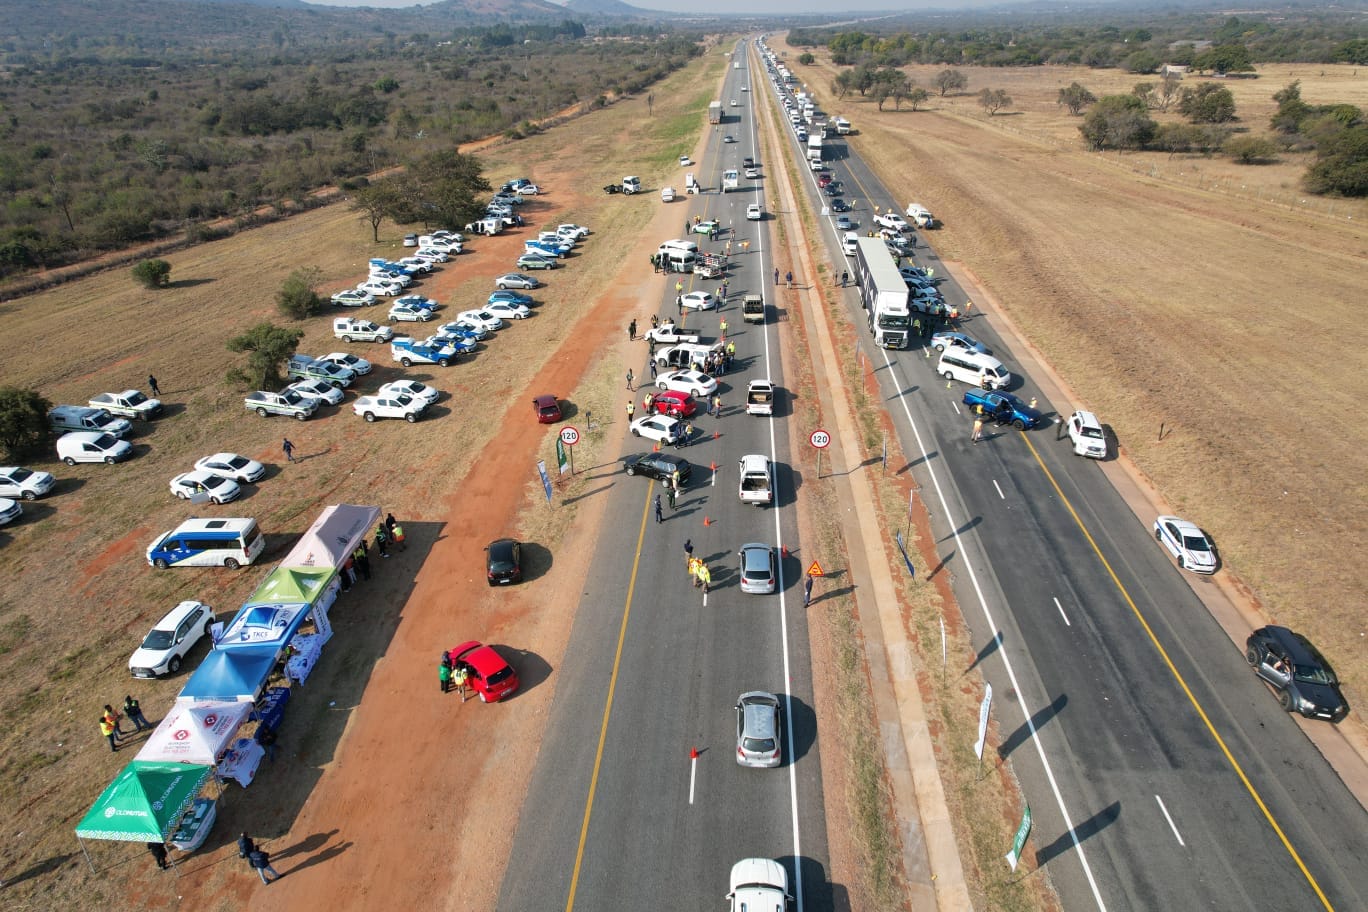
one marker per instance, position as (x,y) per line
(788,277)
(845,277)
(685,437)
(348,573)
(397,536)
(652,362)
(266,737)
(362,560)
(807,592)
(382,540)
(444,673)
(111,731)
(245,846)
(722,328)
(133,710)
(776,275)
(978,430)
(630,378)
(288,448)
(631,330)
(261,863)
(115,718)
(158,850)
(156,391)
(694,563)
(659,512)
(390,523)
(631,409)
(715,406)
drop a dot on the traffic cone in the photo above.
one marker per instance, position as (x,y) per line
(693,753)
(716,434)
(713,467)
(707,521)
(655,447)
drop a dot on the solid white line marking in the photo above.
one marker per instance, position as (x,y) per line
(1176,835)
(693,775)
(1023,704)
(955,406)
(1062,614)
(1001,496)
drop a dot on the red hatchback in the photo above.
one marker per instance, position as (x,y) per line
(490,676)
(547,408)
(674,403)
(824,180)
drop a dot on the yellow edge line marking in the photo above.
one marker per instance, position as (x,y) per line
(608,706)
(1220,742)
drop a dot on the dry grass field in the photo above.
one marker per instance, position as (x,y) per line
(1210,299)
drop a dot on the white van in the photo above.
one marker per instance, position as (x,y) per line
(850,243)
(973,367)
(227,543)
(92,446)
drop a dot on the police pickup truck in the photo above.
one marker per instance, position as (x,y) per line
(408,352)
(288,403)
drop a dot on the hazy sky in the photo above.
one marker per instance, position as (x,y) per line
(715,6)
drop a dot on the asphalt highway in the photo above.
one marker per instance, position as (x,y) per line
(618,815)
(1160,772)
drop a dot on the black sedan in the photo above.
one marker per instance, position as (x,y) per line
(504,561)
(658,465)
(1300,676)
(839,205)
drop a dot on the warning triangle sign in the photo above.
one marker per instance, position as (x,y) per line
(815,570)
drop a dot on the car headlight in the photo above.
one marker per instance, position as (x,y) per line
(1304,705)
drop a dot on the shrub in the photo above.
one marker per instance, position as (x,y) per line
(152,273)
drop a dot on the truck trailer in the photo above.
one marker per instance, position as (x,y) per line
(883,293)
(814,148)
(715,112)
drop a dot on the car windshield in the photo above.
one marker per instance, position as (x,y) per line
(137,399)
(1086,431)
(1195,543)
(894,321)
(1313,674)
(19,475)
(159,639)
(758,745)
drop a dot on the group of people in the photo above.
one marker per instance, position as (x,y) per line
(451,672)
(358,564)
(111,722)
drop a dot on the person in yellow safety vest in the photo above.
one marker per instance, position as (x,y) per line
(694,564)
(704,576)
(459,677)
(631,409)
(646,403)
(108,729)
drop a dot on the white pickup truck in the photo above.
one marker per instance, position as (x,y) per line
(670,334)
(760,398)
(392,406)
(129,403)
(755,485)
(349,330)
(289,403)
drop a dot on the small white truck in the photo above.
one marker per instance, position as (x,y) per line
(755,484)
(349,330)
(760,398)
(731,180)
(921,216)
(670,334)
(408,352)
(391,406)
(1087,436)
(129,403)
(290,403)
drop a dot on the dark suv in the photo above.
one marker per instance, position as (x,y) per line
(658,465)
(1303,680)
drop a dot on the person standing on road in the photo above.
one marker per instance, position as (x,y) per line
(261,863)
(670,492)
(630,378)
(362,560)
(704,576)
(659,511)
(382,540)
(652,362)
(397,536)
(845,278)
(978,430)
(288,447)
(156,391)
(444,672)
(788,277)
(631,409)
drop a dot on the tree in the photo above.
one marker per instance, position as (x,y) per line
(900,88)
(1169,84)
(1341,166)
(994,100)
(951,80)
(806,59)
(378,200)
(446,184)
(298,296)
(1208,103)
(1076,98)
(917,97)
(152,273)
(1291,109)
(1225,58)
(1117,122)
(1250,150)
(269,346)
(23,422)
(1142,61)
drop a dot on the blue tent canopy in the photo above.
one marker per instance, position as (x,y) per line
(231,675)
(263,626)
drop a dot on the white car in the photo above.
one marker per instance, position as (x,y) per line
(579,231)
(419,392)
(205,485)
(381,288)
(353,298)
(693,382)
(754,213)
(463,327)
(421,264)
(357,365)
(390,275)
(660,428)
(528,190)
(1187,543)
(758,885)
(166,645)
(698,300)
(16,481)
(410,313)
(508,310)
(9,511)
(432,255)
(667,194)
(481,319)
(231,465)
(685,161)
(321,390)
(734,103)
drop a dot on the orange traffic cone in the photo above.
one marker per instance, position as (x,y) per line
(655,447)
(706,521)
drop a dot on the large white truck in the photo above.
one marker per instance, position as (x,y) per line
(731,180)
(814,148)
(715,112)
(883,293)
(842,126)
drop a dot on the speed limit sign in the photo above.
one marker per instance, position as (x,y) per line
(820,439)
(569,435)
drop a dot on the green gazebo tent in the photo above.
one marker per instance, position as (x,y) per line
(143,803)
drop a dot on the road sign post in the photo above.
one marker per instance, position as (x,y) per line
(820,440)
(569,436)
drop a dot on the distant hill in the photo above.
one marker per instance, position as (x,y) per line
(613,8)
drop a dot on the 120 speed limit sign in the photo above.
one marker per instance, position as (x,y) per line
(820,439)
(569,435)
